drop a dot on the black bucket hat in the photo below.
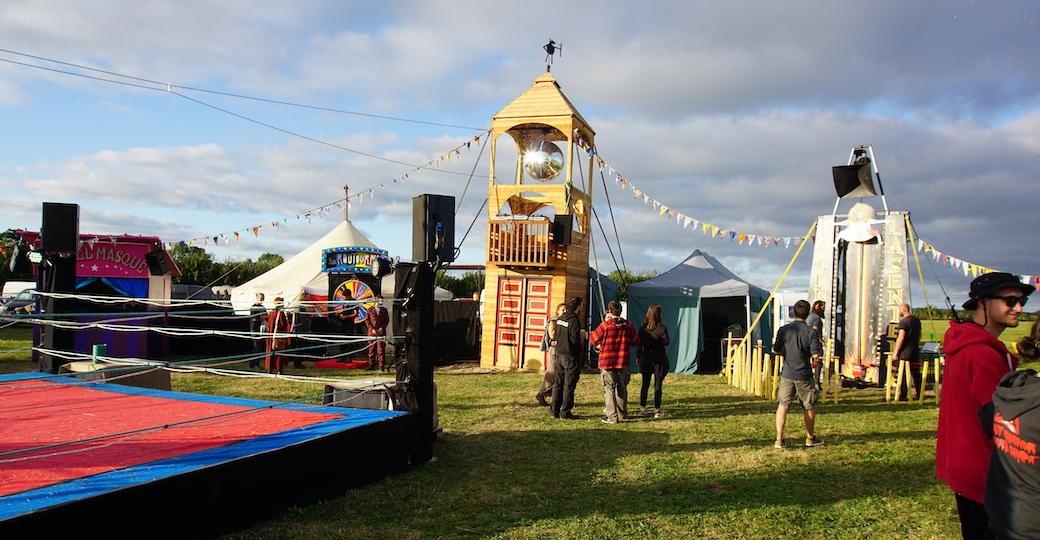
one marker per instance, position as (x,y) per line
(988,284)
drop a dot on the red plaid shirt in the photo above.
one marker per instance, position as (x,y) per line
(614,336)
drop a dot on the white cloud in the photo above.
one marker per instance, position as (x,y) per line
(731,115)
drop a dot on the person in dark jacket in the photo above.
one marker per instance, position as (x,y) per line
(1012,419)
(976,361)
(908,348)
(651,357)
(802,349)
(569,339)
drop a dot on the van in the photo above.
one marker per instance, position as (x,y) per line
(11,288)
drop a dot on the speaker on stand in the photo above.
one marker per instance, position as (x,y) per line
(59,238)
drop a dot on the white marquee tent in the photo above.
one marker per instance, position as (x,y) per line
(303,271)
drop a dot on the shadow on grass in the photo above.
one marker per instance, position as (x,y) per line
(489,483)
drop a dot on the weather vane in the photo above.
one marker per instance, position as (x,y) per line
(551,49)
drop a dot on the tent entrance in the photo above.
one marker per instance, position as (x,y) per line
(523,309)
(718,315)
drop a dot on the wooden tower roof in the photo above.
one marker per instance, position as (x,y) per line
(543,99)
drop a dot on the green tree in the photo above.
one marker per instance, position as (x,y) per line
(196,265)
(464,286)
(624,278)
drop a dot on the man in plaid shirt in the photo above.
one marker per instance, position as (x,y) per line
(614,336)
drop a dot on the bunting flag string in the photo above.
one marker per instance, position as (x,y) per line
(681,219)
(322,211)
(761,240)
(967,267)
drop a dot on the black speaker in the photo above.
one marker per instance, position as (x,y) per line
(60,229)
(563,225)
(433,228)
(853,180)
(20,259)
(158,264)
(59,275)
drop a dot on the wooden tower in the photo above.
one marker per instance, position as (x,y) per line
(538,225)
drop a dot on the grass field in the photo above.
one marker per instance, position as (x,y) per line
(934,331)
(505,469)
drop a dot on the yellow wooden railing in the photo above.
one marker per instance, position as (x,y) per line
(754,370)
(894,386)
(520,242)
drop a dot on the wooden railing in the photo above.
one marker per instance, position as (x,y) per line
(519,242)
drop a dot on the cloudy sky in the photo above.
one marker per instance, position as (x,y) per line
(730,113)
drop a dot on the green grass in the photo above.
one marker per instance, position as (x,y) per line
(505,469)
(934,331)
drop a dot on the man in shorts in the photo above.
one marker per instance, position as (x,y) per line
(802,350)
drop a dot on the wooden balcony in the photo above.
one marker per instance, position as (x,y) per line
(520,242)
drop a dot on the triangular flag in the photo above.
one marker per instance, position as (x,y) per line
(256,231)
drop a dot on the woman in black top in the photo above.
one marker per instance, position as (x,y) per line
(651,357)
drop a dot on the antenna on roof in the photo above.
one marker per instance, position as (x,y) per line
(551,49)
(346,202)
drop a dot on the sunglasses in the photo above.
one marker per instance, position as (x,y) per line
(1010,301)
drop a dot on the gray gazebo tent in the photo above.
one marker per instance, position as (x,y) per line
(701,299)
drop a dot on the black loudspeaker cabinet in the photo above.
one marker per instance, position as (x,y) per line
(563,225)
(853,180)
(158,264)
(60,229)
(58,276)
(433,228)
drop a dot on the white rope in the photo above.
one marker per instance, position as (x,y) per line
(198,332)
(172,302)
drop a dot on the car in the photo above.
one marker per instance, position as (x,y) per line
(23,302)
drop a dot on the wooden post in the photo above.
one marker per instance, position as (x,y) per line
(924,381)
(837,378)
(900,381)
(728,374)
(888,378)
(938,363)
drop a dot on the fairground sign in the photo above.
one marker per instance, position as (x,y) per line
(350,259)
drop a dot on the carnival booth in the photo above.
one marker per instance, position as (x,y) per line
(701,301)
(120,266)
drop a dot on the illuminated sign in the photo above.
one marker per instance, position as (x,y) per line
(350,259)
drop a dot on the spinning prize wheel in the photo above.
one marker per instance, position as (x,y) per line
(355,290)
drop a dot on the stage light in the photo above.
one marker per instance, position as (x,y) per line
(36,257)
(543,161)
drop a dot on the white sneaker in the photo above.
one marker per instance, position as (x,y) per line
(659,414)
(643,410)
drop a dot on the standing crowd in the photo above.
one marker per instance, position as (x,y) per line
(564,341)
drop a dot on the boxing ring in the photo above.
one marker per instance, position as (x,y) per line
(82,455)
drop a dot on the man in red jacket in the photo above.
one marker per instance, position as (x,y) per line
(975,363)
(614,336)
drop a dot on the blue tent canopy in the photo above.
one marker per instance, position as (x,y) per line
(696,297)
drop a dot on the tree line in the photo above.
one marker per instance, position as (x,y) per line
(198,267)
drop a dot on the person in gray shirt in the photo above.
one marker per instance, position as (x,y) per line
(802,349)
